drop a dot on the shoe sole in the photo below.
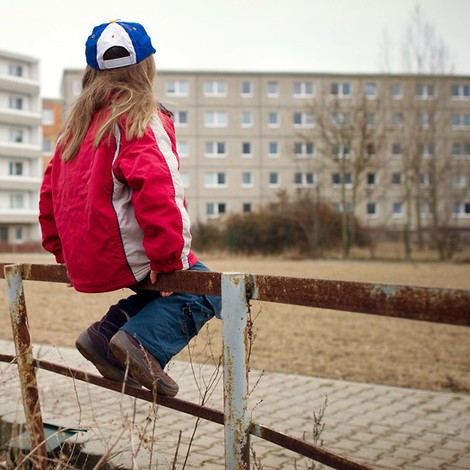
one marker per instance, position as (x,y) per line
(125,351)
(84,344)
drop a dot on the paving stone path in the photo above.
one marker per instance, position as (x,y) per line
(384,427)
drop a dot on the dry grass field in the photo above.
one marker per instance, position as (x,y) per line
(291,339)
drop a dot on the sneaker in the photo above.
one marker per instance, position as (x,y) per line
(144,367)
(93,344)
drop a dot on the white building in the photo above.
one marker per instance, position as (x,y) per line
(394,150)
(20,148)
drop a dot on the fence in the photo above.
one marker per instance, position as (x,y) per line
(449,306)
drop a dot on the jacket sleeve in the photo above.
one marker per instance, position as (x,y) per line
(50,237)
(150,166)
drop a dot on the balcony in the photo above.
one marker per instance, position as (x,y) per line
(20,183)
(20,150)
(19,85)
(20,117)
(19,216)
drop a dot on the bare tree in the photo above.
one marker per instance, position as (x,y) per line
(427,162)
(352,135)
(423,51)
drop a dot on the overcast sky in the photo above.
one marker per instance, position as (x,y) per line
(248,35)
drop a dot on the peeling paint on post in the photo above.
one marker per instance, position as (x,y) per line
(24,353)
(236,417)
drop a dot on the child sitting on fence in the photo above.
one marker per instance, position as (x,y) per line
(112,208)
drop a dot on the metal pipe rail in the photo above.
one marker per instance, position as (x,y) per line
(451,306)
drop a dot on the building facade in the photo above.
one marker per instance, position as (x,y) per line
(394,150)
(52,110)
(21,168)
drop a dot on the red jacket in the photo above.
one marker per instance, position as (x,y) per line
(116,211)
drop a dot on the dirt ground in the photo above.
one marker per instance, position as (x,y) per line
(321,343)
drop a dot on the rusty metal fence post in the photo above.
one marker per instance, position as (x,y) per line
(236,417)
(25,362)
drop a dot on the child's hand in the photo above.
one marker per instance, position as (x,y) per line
(153,280)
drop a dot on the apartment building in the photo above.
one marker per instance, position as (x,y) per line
(20,148)
(52,110)
(392,149)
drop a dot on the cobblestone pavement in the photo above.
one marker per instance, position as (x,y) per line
(385,427)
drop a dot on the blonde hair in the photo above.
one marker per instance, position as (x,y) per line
(123,91)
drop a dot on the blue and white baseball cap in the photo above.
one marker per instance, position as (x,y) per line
(131,38)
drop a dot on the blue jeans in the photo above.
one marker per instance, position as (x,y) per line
(165,325)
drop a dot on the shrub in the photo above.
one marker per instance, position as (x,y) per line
(303,226)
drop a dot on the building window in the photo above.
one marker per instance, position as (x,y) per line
(371,209)
(371,120)
(246,119)
(273,89)
(246,208)
(15,102)
(273,119)
(16,135)
(302,90)
(247,89)
(47,146)
(247,179)
(304,120)
(215,150)
(426,150)
(181,118)
(48,117)
(215,88)
(336,180)
(215,209)
(396,150)
(304,149)
(425,180)
(304,179)
(215,179)
(425,210)
(397,119)
(17,201)
(461,150)
(370,90)
(76,87)
(425,91)
(346,208)
(15,168)
(182,147)
(273,149)
(396,90)
(397,210)
(274,180)
(341,120)
(19,234)
(396,179)
(340,89)
(371,180)
(185,178)
(461,180)
(461,209)
(460,92)
(247,149)
(3,234)
(177,88)
(340,151)
(215,119)
(424,120)
(461,121)
(15,70)
(370,150)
